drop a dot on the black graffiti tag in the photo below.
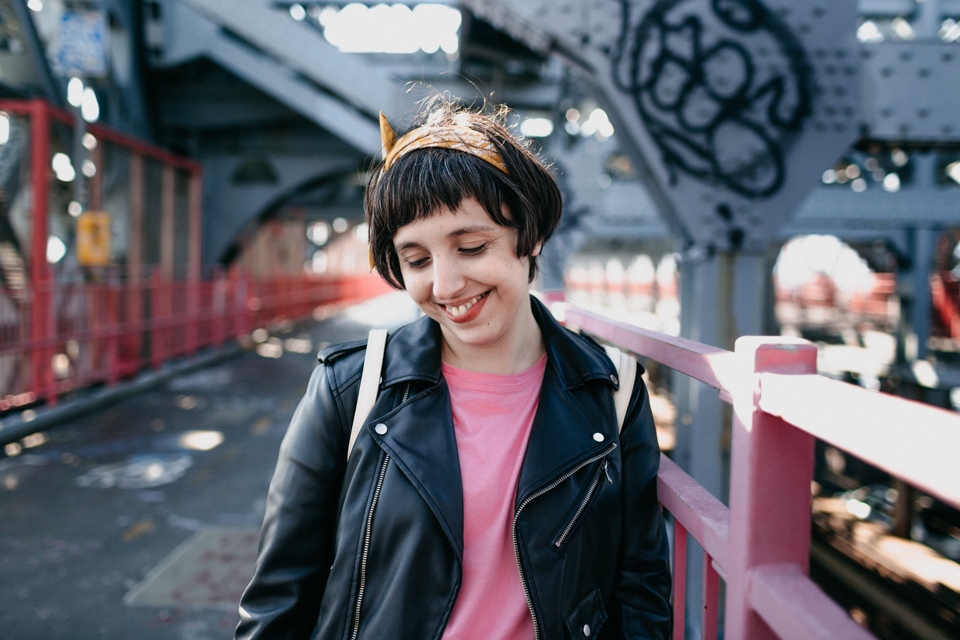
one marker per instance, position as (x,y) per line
(722,86)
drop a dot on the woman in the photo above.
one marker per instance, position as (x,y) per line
(489,493)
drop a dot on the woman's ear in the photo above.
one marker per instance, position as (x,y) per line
(536,249)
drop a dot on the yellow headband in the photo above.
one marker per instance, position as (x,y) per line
(459,138)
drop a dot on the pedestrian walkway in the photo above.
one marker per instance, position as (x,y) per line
(141,520)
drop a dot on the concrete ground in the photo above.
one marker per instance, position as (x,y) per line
(141,520)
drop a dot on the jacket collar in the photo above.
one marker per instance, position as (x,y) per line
(421,438)
(413,352)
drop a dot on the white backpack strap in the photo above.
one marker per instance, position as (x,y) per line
(627,373)
(369,382)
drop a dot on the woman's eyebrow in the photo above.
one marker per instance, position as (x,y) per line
(456,233)
(410,244)
(476,228)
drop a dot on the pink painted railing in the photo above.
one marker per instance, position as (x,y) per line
(760,546)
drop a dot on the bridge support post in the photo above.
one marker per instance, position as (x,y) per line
(916,297)
(771,467)
(721,297)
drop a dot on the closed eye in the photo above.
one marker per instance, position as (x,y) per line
(470,251)
(416,264)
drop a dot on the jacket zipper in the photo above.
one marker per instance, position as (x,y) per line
(583,506)
(516,519)
(367,533)
(366,547)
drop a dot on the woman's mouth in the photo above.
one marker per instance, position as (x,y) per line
(459,311)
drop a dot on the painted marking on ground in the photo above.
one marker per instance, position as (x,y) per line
(209,570)
(138,472)
(138,528)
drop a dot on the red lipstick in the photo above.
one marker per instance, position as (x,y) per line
(471,313)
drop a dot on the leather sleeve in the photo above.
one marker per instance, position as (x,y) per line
(641,604)
(297,540)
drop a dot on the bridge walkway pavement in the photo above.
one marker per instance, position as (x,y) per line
(140,520)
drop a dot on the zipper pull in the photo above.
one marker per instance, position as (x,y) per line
(606,471)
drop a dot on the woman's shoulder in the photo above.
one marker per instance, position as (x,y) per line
(334,352)
(411,344)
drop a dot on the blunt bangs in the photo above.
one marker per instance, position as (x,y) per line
(433,180)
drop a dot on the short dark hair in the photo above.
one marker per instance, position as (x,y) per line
(426,180)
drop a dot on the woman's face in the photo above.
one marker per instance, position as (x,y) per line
(461,268)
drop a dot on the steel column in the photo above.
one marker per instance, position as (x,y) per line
(195,225)
(195,239)
(924,248)
(96,182)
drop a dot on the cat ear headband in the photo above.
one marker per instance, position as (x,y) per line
(459,138)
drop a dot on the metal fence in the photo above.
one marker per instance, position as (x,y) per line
(149,299)
(760,545)
(102,332)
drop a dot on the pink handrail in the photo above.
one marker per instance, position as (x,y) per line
(711,365)
(760,545)
(894,434)
(702,516)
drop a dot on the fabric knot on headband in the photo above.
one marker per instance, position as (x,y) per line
(459,138)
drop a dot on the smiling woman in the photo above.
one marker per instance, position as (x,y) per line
(463,271)
(484,495)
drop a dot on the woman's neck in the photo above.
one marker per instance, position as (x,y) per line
(520,351)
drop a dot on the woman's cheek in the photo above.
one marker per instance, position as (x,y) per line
(417,288)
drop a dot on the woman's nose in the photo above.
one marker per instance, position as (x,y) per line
(448,279)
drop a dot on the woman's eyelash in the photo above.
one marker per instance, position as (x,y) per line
(470,251)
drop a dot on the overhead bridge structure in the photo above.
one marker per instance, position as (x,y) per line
(703,132)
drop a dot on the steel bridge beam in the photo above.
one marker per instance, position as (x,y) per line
(230,209)
(285,59)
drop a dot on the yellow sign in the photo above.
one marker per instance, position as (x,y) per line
(93,239)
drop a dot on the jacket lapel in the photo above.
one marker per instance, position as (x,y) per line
(564,430)
(421,440)
(562,436)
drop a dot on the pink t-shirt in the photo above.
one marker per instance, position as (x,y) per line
(492,416)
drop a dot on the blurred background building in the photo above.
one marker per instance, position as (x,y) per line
(728,168)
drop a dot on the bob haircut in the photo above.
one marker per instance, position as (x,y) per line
(427,181)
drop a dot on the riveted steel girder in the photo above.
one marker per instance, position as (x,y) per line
(732,109)
(911,91)
(287,60)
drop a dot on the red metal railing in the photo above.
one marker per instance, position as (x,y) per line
(58,332)
(62,330)
(291,297)
(760,546)
(105,331)
(945,293)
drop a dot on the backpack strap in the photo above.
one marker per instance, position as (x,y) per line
(627,373)
(369,382)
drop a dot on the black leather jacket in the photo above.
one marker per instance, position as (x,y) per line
(372,548)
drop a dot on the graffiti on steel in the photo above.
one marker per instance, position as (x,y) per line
(723,87)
